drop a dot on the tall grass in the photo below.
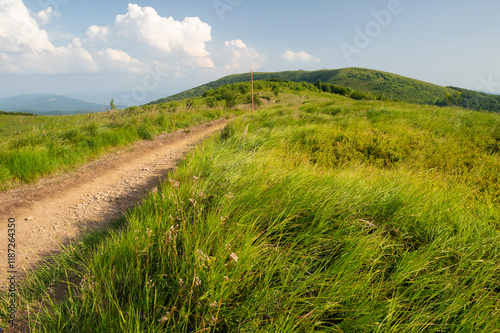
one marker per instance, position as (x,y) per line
(34,147)
(318,214)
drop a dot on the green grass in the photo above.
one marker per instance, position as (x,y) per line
(318,213)
(368,82)
(34,147)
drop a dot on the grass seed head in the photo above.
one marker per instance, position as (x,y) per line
(164,318)
(197,281)
(233,258)
(174,183)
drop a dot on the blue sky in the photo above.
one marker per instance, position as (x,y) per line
(138,51)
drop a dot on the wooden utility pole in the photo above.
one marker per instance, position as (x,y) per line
(251,78)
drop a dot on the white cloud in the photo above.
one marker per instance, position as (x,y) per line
(111,60)
(96,33)
(302,56)
(166,34)
(241,56)
(237,44)
(72,58)
(19,32)
(45,16)
(25,48)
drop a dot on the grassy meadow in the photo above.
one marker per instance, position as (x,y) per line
(316,213)
(366,82)
(32,147)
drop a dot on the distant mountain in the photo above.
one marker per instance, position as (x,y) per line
(45,104)
(392,86)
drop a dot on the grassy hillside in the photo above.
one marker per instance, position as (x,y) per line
(315,213)
(392,86)
(33,147)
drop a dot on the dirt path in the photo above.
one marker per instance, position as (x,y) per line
(56,210)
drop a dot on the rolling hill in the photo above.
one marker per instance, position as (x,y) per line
(313,213)
(392,86)
(47,104)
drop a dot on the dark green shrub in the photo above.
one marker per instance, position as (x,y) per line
(243,88)
(276,89)
(211,102)
(145,132)
(92,129)
(172,107)
(73,135)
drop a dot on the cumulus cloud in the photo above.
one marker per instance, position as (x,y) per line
(45,16)
(96,33)
(111,60)
(72,58)
(25,48)
(301,56)
(166,34)
(19,32)
(241,56)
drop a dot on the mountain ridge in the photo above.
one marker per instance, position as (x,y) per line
(49,104)
(392,86)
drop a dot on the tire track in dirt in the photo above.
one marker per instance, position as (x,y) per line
(54,211)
